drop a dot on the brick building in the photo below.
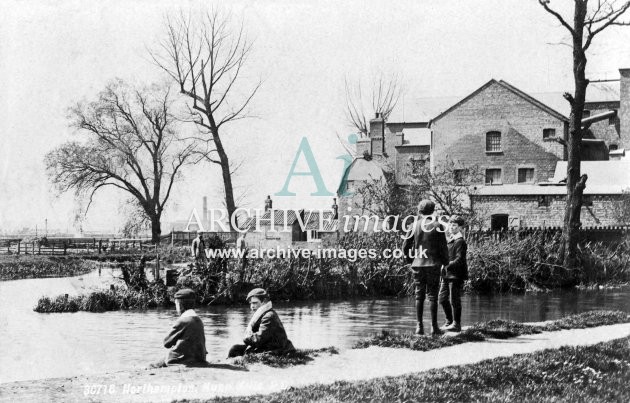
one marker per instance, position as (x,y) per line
(516,140)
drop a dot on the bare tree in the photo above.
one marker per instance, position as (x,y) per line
(206,58)
(451,187)
(588,21)
(130,143)
(382,97)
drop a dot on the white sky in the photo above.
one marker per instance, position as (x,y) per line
(54,53)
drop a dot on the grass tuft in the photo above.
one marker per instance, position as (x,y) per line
(495,329)
(297,357)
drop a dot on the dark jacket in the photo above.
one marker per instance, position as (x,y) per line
(189,341)
(431,240)
(269,334)
(457,268)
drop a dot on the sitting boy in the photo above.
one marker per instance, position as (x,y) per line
(187,339)
(264,331)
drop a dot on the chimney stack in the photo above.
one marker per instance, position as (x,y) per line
(205,209)
(268,203)
(335,209)
(377,134)
(624,107)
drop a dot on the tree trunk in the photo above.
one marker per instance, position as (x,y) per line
(156,229)
(227,178)
(575,181)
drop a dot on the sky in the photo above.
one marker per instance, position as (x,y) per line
(56,53)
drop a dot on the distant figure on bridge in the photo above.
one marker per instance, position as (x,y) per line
(264,331)
(198,249)
(187,340)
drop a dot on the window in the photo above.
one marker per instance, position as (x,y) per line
(493,142)
(586,114)
(459,175)
(499,222)
(493,176)
(544,201)
(525,175)
(549,133)
(613,147)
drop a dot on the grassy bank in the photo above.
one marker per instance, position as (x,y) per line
(117,298)
(514,264)
(598,373)
(496,329)
(15,267)
(297,357)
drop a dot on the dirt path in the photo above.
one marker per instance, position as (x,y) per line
(222,380)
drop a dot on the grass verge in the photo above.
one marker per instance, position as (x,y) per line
(15,267)
(298,357)
(496,329)
(598,373)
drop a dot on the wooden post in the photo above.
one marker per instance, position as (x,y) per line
(65,247)
(18,251)
(100,246)
(53,249)
(39,249)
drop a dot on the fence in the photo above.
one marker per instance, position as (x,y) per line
(65,246)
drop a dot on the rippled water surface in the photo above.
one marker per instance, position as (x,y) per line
(34,345)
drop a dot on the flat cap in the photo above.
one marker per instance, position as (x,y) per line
(257,292)
(185,293)
(426,207)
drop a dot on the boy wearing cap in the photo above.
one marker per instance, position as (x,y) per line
(426,250)
(453,276)
(187,340)
(264,331)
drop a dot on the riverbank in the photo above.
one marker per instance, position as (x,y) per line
(352,365)
(17,267)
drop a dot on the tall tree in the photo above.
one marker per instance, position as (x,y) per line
(130,142)
(588,21)
(381,97)
(206,57)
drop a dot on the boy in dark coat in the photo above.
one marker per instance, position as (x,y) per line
(425,248)
(453,276)
(265,331)
(186,340)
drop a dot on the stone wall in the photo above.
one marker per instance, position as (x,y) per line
(460,135)
(548,211)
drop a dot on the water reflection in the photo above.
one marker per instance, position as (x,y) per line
(36,345)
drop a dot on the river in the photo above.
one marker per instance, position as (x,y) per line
(35,346)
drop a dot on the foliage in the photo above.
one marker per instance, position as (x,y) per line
(154,296)
(14,267)
(518,262)
(131,142)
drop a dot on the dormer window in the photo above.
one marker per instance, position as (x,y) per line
(493,142)
(549,133)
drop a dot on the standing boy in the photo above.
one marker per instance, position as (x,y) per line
(453,276)
(425,248)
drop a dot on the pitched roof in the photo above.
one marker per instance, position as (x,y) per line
(310,219)
(510,88)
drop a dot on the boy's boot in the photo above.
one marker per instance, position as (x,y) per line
(419,312)
(448,312)
(456,326)
(435,328)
